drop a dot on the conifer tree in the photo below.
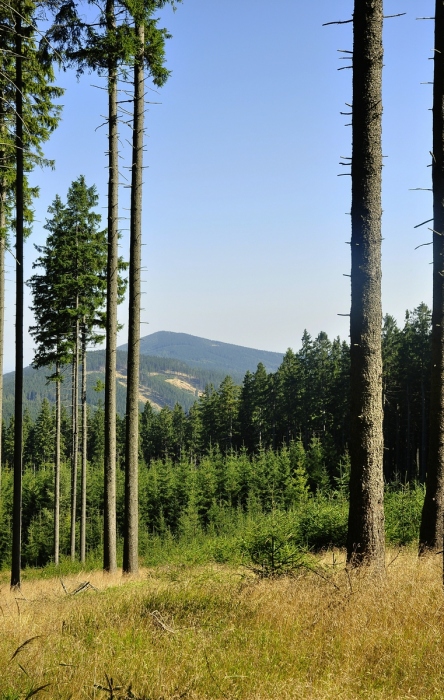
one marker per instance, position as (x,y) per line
(104,46)
(432,525)
(149,53)
(67,295)
(35,118)
(365,543)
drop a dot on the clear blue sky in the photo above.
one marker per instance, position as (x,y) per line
(244,214)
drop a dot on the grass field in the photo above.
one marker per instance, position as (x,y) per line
(215,631)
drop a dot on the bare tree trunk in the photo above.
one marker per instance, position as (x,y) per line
(431,531)
(84,451)
(18,408)
(131,541)
(110,525)
(57,471)
(365,541)
(423,453)
(2,312)
(3,164)
(75,440)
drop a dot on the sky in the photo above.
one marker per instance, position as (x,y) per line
(245,220)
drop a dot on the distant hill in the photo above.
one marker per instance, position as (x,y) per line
(234,360)
(174,368)
(163,381)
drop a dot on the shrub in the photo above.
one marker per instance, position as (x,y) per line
(271,545)
(403,506)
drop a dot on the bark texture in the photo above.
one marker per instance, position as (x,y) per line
(57,470)
(2,315)
(84,452)
(431,531)
(75,437)
(18,401)
(365,541)
(110,525)
(130,550)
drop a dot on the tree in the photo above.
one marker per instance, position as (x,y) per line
(52,334)
(102,46)
(22,26)
(69,294)
(431,532)
(40,440)
(150,53)
(254,409)
(414,366)
(365,540)
(88,286)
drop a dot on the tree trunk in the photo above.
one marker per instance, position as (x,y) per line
(423,460)
(408,455)
(84,451)
(130,550)
(3,164)
(57,470)
(365,540)
(75,440)
(110,525)
(18,401)
(431,531)
(2,310)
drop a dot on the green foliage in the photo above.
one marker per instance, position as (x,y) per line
(316,468)
(40,114)
(403,507)
(299,488)
(271,546)
(200,513)
(342,479)
(71,288)
(323,522)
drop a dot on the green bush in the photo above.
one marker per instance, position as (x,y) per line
(271,545)
(403,506)
(323,522)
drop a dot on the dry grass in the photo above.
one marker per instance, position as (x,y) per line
(211,632)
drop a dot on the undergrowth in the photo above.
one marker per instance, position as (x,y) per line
(218,631)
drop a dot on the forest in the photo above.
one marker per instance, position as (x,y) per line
(281,536)
(361,415)
(277,439)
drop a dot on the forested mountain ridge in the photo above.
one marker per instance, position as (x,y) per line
(234,360)
(163,382)
(175,368)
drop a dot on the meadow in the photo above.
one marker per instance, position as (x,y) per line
(202,631)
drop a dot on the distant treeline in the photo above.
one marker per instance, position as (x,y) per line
(306,398)
(277,441)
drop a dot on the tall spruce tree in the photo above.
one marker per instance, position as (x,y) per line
(149,53)
(69,294)
(52,336)
(31,105)
(105,45)
(365,540)
(432,521)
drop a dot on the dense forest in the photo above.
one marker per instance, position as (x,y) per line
(277,440)
(305,399)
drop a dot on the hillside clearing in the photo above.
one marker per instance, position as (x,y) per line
(215,632)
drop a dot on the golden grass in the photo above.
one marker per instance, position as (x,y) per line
(212,632)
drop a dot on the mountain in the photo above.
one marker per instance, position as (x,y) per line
(234,360)
(174,368)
